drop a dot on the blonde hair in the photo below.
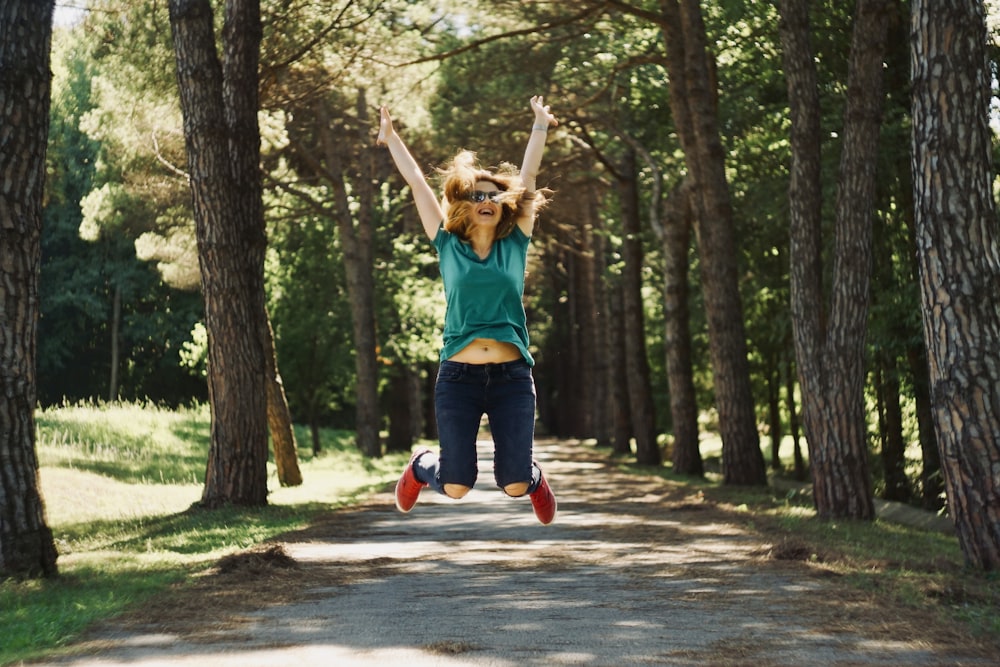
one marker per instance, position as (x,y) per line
(459,181)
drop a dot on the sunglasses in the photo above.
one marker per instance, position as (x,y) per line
(479,196)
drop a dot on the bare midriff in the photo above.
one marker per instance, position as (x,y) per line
(487,351)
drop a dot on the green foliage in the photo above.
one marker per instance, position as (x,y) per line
(80,280)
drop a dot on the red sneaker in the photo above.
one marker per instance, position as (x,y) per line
(408,487)
(544,502)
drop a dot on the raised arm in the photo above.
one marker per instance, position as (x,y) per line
(428,206)
(543,118)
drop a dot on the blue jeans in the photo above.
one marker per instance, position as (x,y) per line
(505,393)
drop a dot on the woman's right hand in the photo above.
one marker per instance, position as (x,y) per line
(385,129)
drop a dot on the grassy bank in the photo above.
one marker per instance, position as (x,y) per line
(120,484)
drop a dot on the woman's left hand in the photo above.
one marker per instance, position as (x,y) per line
(543,116)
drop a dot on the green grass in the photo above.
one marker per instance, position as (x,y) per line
(121,485)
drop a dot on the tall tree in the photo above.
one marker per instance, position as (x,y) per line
(26,545)
(830,348)
(674,233)
(693,103)
(959,254)
(219,100)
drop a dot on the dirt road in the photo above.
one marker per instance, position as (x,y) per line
(634,571)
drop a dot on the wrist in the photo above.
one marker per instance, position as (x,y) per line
(540,127)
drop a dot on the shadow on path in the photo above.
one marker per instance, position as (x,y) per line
(632,572)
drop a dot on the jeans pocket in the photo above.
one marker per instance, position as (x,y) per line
(449,372)
(518,372)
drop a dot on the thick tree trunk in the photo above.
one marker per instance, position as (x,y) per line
(676,227)
(959,254)
(831,353)
(26,545)
(219,104)
(693,105)
(640,396)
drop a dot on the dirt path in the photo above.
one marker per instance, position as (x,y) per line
(632,572)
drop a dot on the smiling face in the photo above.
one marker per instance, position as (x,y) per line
(486,212)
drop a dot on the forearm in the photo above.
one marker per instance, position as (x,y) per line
(405,164)
(533,156)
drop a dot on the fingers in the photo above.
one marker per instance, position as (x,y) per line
(385,126)
(542,111)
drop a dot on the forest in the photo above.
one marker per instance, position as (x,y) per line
(734,244)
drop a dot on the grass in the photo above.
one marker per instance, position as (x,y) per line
(121,484)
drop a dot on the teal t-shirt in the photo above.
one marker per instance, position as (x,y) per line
(483,297)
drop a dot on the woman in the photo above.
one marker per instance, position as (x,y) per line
(481,230)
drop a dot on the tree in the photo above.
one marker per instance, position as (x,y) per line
(959,255)
(219,100)
(26,545)
(830,347)
(694,105)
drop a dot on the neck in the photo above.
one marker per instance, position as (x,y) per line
(481,238)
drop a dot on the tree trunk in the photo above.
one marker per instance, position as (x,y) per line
(400,410)
(219,103)
(693,104)
(774,415)
(676,243)
(640,396)
(831,353)
(116,324)
(793,422)
(26,545)
(279,418)
(357,240)
(931,484)
(621,409)
(959,255)
(897,486)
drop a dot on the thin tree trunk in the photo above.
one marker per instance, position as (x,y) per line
(279,418)
(793,422)
(897,486)
(26,545)
(931,483)
(640,397)
(774,415)
(116,323)
(959,255)
(219,104)
(621,410)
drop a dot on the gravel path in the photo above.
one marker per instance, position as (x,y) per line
(632,572)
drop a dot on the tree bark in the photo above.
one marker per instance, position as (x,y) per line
(897,486)
(357,240)
(830,352)
(959,256)
(675,240)
(693,104)
(26,545)
(219,104)
(637,375)
(279,418)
